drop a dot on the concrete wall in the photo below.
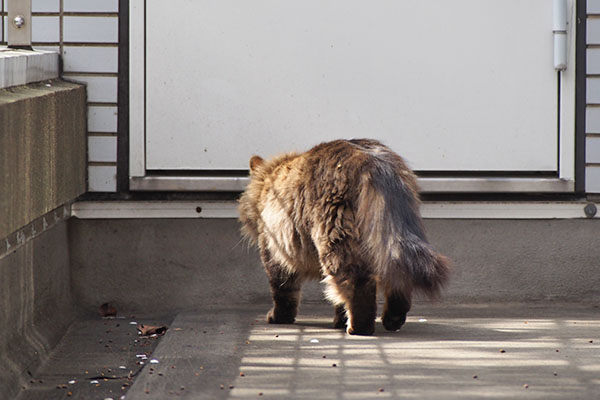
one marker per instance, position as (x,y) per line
(36,305)
(42,167)
(156,266)
(42,150)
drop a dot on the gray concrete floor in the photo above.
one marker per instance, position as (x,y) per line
(445,351)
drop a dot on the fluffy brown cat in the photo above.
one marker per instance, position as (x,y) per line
(346,212)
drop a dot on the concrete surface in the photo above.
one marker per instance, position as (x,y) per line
(166,265)
(20,67)
(526,351)
(42,150)
(96,359)
(199,272)
(36,305)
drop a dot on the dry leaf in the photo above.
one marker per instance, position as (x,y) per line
(147,330)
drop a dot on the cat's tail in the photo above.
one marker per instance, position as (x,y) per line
(392,234)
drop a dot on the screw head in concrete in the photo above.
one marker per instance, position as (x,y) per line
(590,210)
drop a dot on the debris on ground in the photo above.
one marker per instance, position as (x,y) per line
(107,310)
(149,330)
(107,364)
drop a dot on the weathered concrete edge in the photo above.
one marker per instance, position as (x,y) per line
(32,230)
(42,150)
(37,305)
(26,66)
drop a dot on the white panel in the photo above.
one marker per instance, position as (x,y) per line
(592,179)
(99,88)
(593,31)
(90,29)
(90,59)
(593,90)
(45,5)
(45,29)
(592,120)
(593,61)
(266,77)
(91,5)
(592,150)
(102,178)
(593,6)
(102,119)
(102,149)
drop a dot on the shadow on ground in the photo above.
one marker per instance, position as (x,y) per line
(509,351)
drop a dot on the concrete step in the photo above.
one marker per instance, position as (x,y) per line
(449,351)
(547,351)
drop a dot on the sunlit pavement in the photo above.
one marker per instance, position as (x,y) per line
(542,351)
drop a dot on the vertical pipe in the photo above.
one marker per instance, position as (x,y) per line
(559,29)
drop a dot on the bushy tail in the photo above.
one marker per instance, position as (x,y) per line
(429,270)
(392,234)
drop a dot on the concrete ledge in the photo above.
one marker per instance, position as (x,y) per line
(431,209)
(20,67)
(42,150)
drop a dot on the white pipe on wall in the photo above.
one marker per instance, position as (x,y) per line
(559,29)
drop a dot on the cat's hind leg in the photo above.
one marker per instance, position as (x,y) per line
(340,319)
(354,293)
(285,291)
(397,304)
(286,297)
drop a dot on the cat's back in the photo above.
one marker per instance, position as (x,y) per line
(341,165)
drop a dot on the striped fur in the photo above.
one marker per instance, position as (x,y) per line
(346,212)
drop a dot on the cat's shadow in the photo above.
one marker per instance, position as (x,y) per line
(424,331)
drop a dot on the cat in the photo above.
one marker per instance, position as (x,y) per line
(345,212)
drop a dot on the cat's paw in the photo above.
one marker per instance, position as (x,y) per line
(393,323)
(279,318)
(339,322)
(362,331)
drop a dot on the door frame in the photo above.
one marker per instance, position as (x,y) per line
(562,182)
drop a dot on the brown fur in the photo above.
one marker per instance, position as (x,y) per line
(346,212)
